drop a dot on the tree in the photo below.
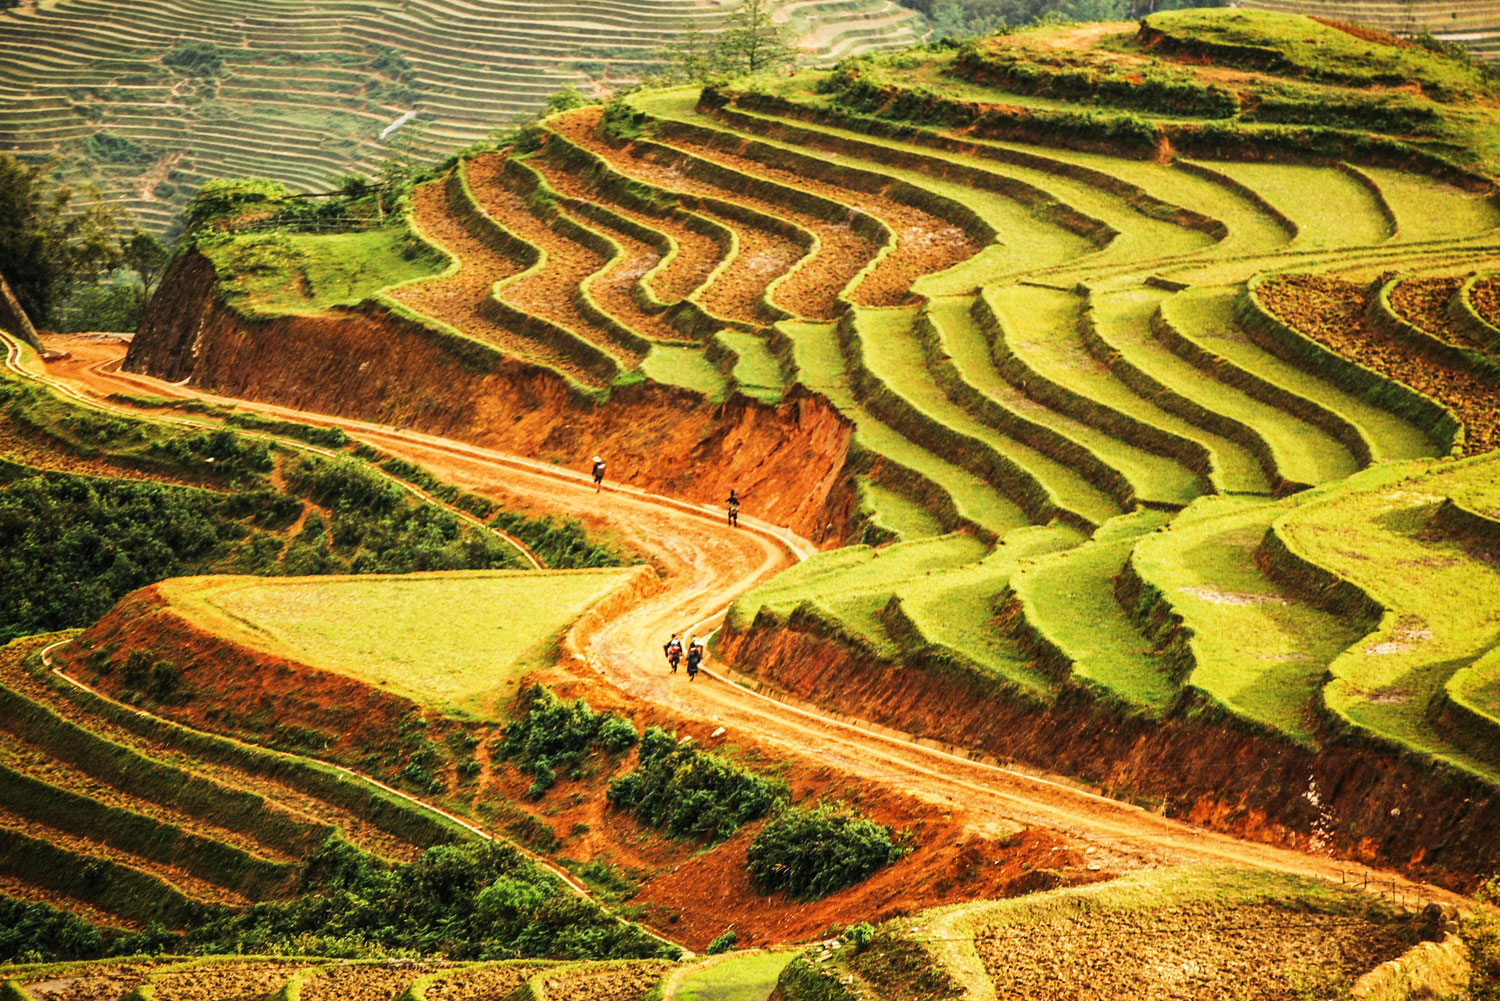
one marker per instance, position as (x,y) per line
(146,256)
(752,42)
(48,245)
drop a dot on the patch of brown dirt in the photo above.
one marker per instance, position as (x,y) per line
(1423,302)
(1332,312)
(482,984)
(364,982)
(1486,298)
(1191,952)
(226,981)
(617,983)
(101,982)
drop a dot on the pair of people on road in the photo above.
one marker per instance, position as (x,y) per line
(674,651)
(733,503)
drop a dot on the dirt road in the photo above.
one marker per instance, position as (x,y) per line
(706,565)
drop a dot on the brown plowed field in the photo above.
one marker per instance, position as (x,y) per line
(548,292)
(19,889)
(627,983)
(1332,312)
(192,886)
(480,984)
(230,981)
(104,982)
(457,299)
(1486,299)
(697,253)
(1423,302)
(925,244)
(363,982)
(30,760)
(763,255)
(366,835)
(1185,953)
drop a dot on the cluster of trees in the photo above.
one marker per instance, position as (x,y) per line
(56,242)
(968,18)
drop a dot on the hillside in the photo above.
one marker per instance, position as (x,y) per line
(1474,24)
(1113,409)
(151,100)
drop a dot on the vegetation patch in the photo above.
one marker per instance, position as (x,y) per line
(549,734)
(811,853)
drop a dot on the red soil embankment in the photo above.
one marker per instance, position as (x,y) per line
(1348,800)
(368,364)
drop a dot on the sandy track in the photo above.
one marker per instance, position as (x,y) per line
(707,565)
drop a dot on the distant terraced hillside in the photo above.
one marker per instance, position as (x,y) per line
(149,100)
(1171,385)
(1474,23)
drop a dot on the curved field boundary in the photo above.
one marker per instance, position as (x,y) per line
(1249,194)
(1192,454)
(138,834)
(1047,440)
(1384,318)
(1150,388)
(1043,203)
(1462,312)
(1392,226)
(1456,715)
(146,989)
(417,989)
(108,885)
(587,355)
(688,314)
(999,471)
(535,988)
(1336,425)
(1295,347)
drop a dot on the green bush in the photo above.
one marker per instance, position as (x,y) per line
(550,734)
(313,435)
(1481,933)
(561,545)
(40,933)
(812,853)
(723,943)
(204,59)
(111,148)
(691,793)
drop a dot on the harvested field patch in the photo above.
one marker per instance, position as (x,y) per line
(548,291)
(362,982)
(764,255)
(1423,302)
(623,983)
(231,981)
(95,982)
(456,299)
(481,984)
(697,252)
(1486,298)
(1332,312)
(1188,952)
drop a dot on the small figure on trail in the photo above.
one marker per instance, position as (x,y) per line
(598,473)
(734,508)
(673,650)
(695,657)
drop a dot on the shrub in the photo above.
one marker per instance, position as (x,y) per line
(551,734)
(40,933)
(1481,933)
(723,943)
(313,435)
(691,793)
(810,853)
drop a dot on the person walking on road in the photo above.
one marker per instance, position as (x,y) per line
(695,657)
(734,508)
(673,650)
(598,474)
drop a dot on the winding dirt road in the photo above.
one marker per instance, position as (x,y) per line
(706,566)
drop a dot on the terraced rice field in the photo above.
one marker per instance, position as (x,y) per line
(300,91)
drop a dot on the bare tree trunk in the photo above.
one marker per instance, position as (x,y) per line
(13,318)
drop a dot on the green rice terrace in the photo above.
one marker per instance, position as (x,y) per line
(149,101)
(1116,613)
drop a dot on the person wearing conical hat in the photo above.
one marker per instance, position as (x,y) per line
(598,474)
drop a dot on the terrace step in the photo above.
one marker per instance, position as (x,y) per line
(1428,608)
(1226,628)
(1329,208)
(1427,209)
(1040,350)
(953,495)
(1207,318)
(1062,610)
(1291,453)
(895,516)
(886,362)
(959,353)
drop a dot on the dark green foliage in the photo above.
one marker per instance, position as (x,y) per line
(691,793)
(379,528)
(71,546)
(313,435)
(559,545)
(202,59)
(723,943)
(480,900)
(105,306)
(622,122)
(222,199)
(550,734)
(812,853)
(1481,933)
(40,933)
(111,148)
(223,450)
